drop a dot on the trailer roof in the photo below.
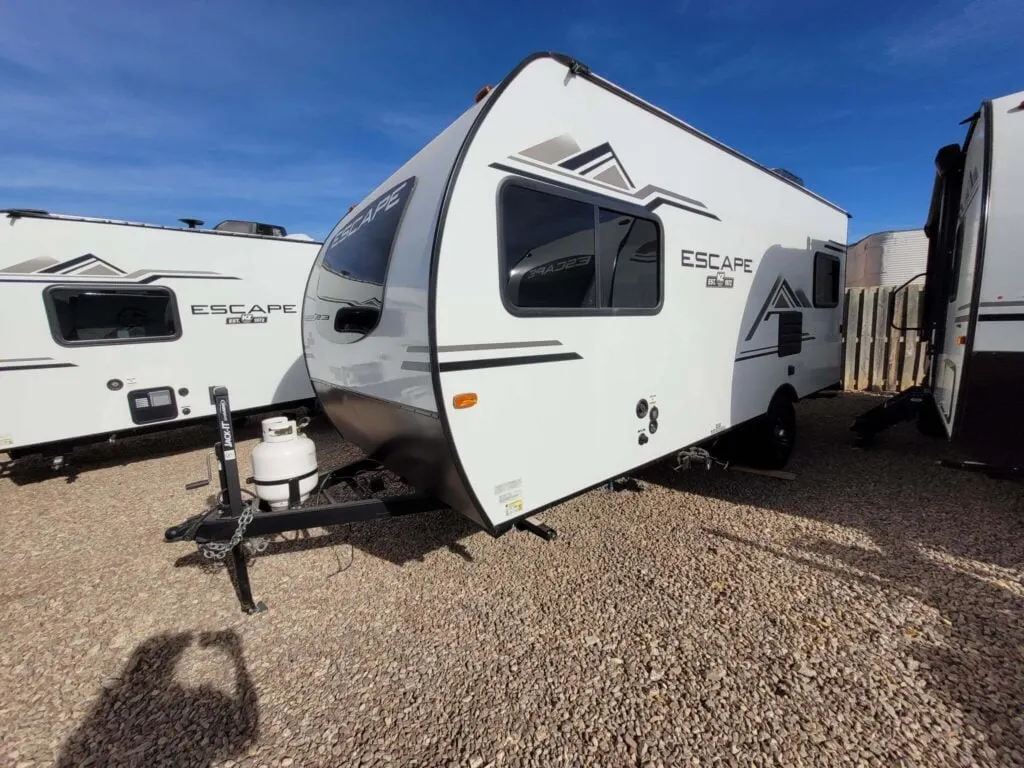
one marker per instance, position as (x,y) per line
(35,213)
(580,69)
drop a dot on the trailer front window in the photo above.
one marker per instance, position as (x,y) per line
(88,315)
(361,249)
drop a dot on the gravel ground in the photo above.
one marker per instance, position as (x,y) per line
(867,613)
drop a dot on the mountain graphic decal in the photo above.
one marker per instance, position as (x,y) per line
(598,166)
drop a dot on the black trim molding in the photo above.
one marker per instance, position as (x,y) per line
(504,362)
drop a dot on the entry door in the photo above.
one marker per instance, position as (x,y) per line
(949,365)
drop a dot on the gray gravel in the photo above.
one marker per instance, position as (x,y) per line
(867,613)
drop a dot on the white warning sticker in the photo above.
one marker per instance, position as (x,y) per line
(511,485)
(510,495)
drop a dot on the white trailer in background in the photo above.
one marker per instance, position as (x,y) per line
(566,284)
(115,327)
(972,308)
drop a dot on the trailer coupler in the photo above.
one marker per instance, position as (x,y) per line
(233,524)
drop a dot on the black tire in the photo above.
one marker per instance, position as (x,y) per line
(773,437)
(929,422)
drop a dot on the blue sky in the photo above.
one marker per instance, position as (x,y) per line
(288,113)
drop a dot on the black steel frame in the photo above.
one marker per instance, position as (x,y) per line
(221,522)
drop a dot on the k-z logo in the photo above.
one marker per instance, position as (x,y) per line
(719,281)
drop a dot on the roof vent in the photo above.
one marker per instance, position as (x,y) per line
(241,227)
(192,223)
(789,175)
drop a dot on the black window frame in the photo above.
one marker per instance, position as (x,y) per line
(54,322)
(957,259)
(839,281)
(597,202)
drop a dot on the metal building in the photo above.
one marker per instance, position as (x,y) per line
(886,258)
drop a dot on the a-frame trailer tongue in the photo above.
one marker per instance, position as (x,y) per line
(236,526)
(233,524)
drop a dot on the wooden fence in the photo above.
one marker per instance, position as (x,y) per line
(876,356)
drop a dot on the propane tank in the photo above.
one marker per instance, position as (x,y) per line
(283,456)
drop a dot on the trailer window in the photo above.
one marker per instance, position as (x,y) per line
(826,280)
(628,260)
(361,250)
(88,315)
(549,250)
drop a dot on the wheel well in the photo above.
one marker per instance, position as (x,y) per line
(786,391)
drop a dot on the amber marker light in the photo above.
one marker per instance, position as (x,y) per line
(464,400)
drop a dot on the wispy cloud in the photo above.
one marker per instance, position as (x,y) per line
(947,28)
(186,109)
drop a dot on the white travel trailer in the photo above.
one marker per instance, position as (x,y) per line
(566,284)
(115,327)
(972,310)
(563,286)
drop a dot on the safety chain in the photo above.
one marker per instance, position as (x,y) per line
(218,550)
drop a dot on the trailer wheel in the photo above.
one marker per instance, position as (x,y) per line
(774,436)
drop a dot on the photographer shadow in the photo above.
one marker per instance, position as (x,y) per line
(148,717)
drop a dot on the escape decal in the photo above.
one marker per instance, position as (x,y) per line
(244,314)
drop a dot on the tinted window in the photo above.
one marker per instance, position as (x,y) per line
(361,249)
(826,280)
(98,315)
(548,250)
(629,257)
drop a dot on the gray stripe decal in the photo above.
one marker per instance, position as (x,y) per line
(996,304)
(36,367)
(25,359)
(962,319)
(1009,317)
(484,347)
(751,354)
(963,306)
(414,365)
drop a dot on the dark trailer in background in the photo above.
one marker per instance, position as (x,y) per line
(972,308)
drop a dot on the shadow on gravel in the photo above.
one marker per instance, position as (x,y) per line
(950,540)
(149,718)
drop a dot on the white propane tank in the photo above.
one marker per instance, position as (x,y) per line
(283,455)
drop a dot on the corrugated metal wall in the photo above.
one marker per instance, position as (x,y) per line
(903,255)
(886,258)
